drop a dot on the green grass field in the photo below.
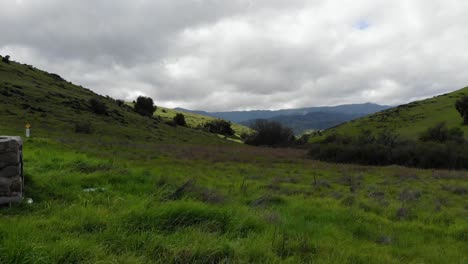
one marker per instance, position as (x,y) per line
(138,191)
(408,120)
(236,204)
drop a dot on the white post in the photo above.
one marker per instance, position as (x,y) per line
(28,130)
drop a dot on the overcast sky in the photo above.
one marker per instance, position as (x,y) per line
(245,54)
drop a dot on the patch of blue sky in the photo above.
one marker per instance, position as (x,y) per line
(362,24)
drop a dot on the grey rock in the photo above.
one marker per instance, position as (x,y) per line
(9,158)
(11,176)
(10,171)
(10,143)
(5,184)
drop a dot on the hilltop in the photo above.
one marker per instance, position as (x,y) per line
(54,106)
(409,120)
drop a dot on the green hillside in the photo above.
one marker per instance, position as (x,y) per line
(194,120)
(54,106)
(138,191)
(408,120)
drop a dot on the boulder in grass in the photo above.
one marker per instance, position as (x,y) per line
(11,169)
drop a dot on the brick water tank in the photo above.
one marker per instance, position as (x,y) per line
(11,169)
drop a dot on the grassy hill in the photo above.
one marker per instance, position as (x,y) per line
(138,191)
(54,106)
(194,119)
(409,120)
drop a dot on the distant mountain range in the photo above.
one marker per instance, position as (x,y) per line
(300,119)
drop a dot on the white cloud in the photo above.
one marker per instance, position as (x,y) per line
(245,54)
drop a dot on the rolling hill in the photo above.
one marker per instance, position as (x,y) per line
(409,120)
(54,107)
(194,120)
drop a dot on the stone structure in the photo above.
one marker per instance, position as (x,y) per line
(11,169)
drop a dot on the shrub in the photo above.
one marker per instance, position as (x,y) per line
(98,107)
(120,102)
(438,132)
(452,155)
(145,106)
(270,133)
(83,128)
(441,133)
(462,107)
(6,59)
(179,119)
(219,126)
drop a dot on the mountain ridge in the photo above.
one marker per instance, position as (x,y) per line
(240,116)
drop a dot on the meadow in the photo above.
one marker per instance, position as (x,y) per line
(95,201)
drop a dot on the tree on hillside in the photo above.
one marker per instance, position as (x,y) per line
(179,119)
(462,107)
(145,106)
(270,133)
(6,59)
(219,126)
(441,133)
(98,107)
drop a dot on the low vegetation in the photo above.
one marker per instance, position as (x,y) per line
(438,147)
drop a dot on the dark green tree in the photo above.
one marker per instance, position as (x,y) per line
(270,133)
(179,119)
(145,106)
(219,126)
(6,59)
(462,107)
(97,106)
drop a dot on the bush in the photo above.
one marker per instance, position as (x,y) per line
(83,128)
(270,133)
(462,107)
(120,102)
(434,155)
(98,107)
(145,106)
(6,59)
(179,119)
(441,133)
(219,126)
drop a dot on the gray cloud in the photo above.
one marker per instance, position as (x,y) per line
(245,54)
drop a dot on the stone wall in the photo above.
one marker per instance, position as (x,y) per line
(11,169)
